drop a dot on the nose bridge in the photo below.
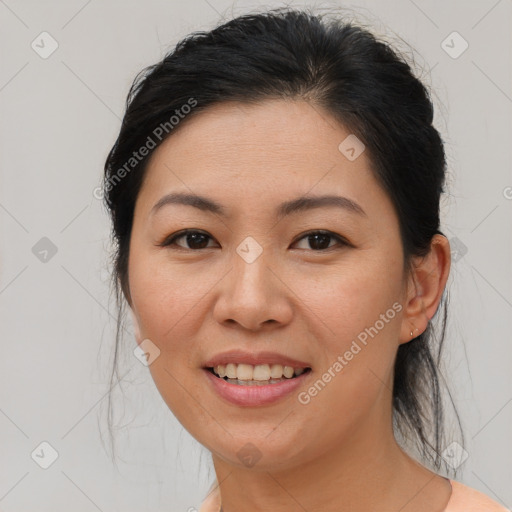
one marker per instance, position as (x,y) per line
(251,263)
(252,293)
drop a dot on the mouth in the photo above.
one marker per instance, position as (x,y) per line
(245,385)
(256,375)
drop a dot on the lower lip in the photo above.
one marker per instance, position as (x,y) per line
(252,396)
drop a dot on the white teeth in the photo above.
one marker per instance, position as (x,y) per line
(276,371)
(288,372)
(231,371)
(259,372)
(244,372)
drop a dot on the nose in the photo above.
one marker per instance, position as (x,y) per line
(254,295)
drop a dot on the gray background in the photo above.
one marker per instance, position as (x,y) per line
(59,117)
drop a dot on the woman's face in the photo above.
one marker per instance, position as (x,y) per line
(252,281)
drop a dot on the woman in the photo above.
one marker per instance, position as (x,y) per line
(274,192)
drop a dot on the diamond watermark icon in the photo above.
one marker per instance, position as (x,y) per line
(249,250)
(458,249)
(454,455)
(249,455)
(454,45)
(351,147)
(44,45)
(44,250)
(44,455)
(146,352)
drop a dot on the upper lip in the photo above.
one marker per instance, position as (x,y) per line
(254,358)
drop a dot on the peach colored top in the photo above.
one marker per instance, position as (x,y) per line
(463,499)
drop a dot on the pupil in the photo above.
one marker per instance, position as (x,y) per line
(316,237)
(192,239)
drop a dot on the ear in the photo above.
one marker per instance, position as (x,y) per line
(425,288)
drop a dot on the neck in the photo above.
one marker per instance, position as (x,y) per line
(367,471)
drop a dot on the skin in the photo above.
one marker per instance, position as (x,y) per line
(337,452)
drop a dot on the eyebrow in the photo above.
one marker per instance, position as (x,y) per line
(300,204)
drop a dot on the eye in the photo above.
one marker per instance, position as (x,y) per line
(195,239)
(319,240)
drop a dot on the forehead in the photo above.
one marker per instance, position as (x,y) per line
(248,154)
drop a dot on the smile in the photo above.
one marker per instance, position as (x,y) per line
(255,393)
(256,375)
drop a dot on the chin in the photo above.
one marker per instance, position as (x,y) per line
(258,452)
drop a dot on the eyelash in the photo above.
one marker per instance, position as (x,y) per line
(170,241)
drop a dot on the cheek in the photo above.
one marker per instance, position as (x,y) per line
(357,314)
(168,304)
(165,295)
(351,298)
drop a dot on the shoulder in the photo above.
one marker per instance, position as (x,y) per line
(467,499)
(463,499)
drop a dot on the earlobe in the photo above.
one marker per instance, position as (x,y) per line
(425,288)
